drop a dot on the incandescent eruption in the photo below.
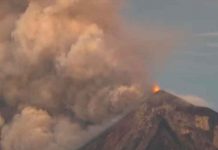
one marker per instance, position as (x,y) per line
(66,67)
(156,88)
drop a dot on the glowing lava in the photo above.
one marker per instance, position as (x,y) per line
(156,89)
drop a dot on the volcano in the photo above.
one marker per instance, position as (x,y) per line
(162,122)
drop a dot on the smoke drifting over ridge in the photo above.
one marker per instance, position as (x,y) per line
(66,66)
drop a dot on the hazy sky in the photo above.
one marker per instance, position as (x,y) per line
(193,68)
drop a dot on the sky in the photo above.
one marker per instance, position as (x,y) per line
(192,68)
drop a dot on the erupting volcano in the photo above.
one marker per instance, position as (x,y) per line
(71,69)
(162,122)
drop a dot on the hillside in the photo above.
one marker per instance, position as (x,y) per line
(163,122)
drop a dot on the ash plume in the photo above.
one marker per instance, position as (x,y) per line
(66,67)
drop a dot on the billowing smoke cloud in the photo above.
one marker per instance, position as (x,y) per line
(36,129)
(66,66)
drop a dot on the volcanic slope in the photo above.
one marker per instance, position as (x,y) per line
(163,122)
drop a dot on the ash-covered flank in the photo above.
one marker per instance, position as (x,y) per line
(163,122)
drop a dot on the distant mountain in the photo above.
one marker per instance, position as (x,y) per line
(163,122)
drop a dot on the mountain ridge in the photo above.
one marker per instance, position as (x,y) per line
(163,122)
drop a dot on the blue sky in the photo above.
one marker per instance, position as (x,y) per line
(193,67)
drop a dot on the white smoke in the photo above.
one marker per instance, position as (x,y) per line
(66,66)
(195,100)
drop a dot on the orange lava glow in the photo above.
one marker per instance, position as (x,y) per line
(156,89)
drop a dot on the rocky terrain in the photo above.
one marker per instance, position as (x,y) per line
(163,122)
